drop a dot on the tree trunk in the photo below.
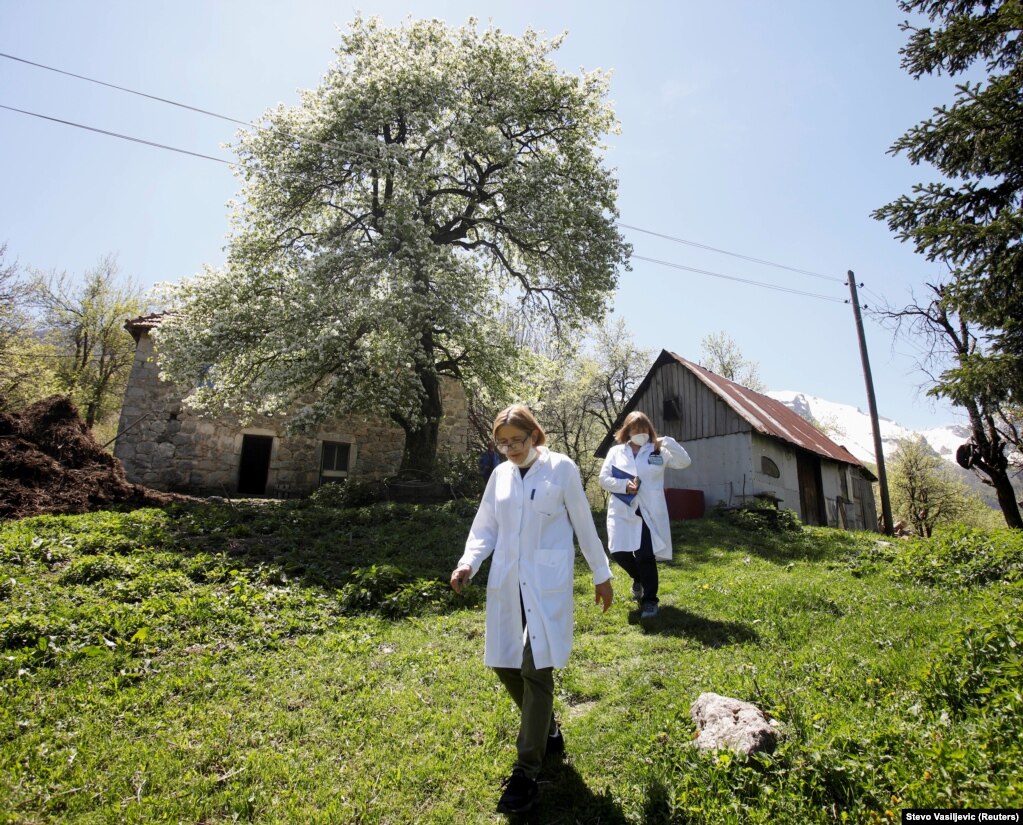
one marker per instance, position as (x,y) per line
(991,461)
(419,458)
(1007,499)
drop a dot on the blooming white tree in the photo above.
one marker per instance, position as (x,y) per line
(435,173)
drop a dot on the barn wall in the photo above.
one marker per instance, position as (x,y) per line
(864,496)
(719,466)
(785,488)
(702,413)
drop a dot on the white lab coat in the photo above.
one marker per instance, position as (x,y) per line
(527,524)
(624,526)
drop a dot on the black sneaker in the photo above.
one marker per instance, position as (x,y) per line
(637,591)
(556,744)
(519,795)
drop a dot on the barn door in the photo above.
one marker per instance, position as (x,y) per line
(254,467)
(811,489)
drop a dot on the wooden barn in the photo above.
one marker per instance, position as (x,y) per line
(747,446)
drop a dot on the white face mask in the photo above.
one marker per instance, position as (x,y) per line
(639,439)
(530,457)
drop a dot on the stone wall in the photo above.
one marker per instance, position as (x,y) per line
(164,445)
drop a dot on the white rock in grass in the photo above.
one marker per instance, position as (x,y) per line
(726,723)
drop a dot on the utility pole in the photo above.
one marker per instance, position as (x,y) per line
(882,477)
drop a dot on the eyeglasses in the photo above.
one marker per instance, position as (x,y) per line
(504,446)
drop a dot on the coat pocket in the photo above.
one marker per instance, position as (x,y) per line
(547,499)
(556,570)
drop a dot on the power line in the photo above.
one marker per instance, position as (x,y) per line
(118,135)
(232,164)
(124,89)
(740,280)
(356,153)
(733,254)
(878,297)
(304,138)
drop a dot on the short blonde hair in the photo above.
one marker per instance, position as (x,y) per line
(635,422)
(520,416)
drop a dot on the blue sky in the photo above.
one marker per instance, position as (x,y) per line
(757,128)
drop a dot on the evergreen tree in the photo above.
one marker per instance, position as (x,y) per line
(973,221)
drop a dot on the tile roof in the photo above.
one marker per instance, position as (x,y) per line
(136,326)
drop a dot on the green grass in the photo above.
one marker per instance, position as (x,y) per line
(297,663)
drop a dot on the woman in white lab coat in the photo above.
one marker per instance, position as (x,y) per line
(533,504)
(638,530)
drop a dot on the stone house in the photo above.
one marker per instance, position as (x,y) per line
(164,445)
(747,446)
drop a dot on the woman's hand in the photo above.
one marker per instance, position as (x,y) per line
(632,486)
(460,577)
(603,592)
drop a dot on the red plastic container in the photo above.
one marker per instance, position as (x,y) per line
(684,504)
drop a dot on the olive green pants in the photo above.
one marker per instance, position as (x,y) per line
(532,690)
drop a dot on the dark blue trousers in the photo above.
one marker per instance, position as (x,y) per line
(641,564)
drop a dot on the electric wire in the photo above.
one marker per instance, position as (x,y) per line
(740,280)
(168,101)
(733,254)
(124,89)
(232,164)
(118,135)
(354,152)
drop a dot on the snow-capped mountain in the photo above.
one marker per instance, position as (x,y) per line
(850,426)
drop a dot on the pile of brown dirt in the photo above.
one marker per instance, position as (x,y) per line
(50,463)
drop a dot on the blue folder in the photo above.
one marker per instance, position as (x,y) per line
(618,473)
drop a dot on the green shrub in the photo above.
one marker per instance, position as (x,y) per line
(461,507)
(347,493)
(461,473)
(88,569)
(962,557)
(18,630)
(761,515)
(388,591)
(204,568)
(369,587)
(982,669)
(415,597)
(144,586)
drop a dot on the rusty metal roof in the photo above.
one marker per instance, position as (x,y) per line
(765,415)
(769,417)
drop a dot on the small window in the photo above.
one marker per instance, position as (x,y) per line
(769,468)
(672,409)
(334,461)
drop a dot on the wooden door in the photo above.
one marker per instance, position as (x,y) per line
(811,489)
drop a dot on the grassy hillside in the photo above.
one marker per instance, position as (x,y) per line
(296,663)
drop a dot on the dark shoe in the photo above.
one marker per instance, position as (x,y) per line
(556,744)
(649,610)
(637,591)
(519,795)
